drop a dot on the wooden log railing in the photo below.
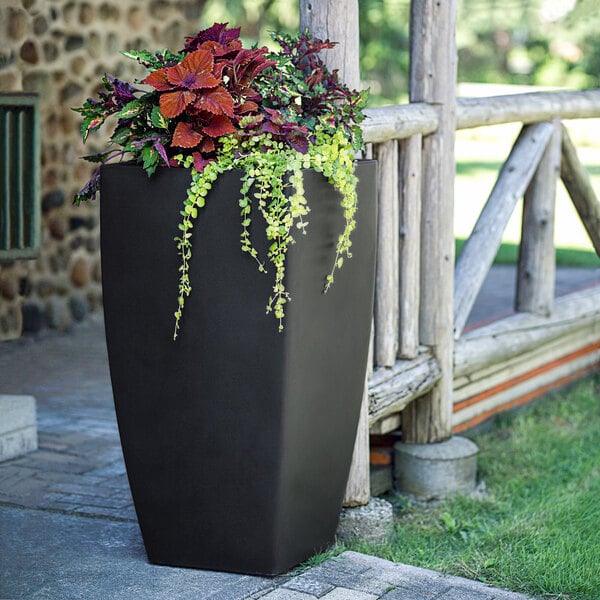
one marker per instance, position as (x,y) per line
(406,366)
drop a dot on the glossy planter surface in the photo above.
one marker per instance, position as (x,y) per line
(237,439)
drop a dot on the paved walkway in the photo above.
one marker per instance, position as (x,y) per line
(67,524)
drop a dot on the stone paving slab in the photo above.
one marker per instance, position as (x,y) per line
(58,556)
(67,523)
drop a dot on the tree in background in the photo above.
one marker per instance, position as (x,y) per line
(528,42)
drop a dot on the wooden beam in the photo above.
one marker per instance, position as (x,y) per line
(433,80)
(337,20)
(391,390)
(578,184)
(410,245)
(386,279)
(537,263)
(526,108)
(399,122)
(482,245)
(477,384)
(522,332)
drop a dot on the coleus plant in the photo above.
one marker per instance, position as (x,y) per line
(216,106)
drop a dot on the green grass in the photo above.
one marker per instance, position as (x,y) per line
(508,254)
(537,528)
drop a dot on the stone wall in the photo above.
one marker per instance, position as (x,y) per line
(60,49)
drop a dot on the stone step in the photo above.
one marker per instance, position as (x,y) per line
(18,426)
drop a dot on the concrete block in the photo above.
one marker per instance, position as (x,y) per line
(18,426)
(372,523)
(436,470)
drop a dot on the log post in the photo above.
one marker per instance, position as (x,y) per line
(433,80)
(386,281)
(337,20)
(410,245)
(537,264)
(578,184)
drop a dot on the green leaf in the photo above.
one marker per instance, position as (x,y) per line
(150,158)
(158,119)
(130,110)
(120,136)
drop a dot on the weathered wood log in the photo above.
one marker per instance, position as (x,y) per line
(337,20)
(358,489)
(526,108)
(433,80)
(386,425)
(386,277)
(520,333)
(523,389)
(537,264)
(482,245)
(410,245)
(480,382)
(399,121)
(579,186)
(391,390)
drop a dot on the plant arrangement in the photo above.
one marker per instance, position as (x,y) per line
(215,106)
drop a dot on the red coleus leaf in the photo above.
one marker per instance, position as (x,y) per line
(297,141)
(217,101)
(193,72)
(217,33)
(174,103)
(207,146)
(246,107)
(199,162)
(185,136)
(217,126)
(158,80)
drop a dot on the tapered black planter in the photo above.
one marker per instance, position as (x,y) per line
(237,438)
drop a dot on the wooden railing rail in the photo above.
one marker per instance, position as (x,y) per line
(399,122)
(526,108)
(404,371)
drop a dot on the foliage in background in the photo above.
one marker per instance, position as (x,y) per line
(527,42)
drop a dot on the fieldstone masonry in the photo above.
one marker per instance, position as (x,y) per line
(59,49)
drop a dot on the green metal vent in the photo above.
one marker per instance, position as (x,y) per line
(19,176)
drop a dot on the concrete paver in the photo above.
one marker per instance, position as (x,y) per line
(67,523)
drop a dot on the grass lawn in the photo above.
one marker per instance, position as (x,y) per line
(536,529)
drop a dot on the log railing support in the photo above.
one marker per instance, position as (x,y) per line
(433,80)
(480,249)
(537,265)
(337,20)
(410,245)
(386,280)
(578,184)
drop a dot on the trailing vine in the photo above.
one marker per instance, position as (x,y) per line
(272,183)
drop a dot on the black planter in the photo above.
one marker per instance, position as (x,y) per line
(237,438)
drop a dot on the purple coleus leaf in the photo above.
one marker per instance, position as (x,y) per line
(161,151)
(89,190)
(123,91)
(298,141)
